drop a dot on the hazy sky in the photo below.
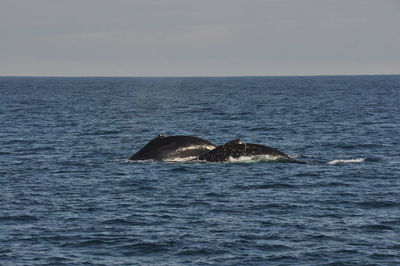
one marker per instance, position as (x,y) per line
(199,37)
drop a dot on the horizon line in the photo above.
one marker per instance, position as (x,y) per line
(188,76)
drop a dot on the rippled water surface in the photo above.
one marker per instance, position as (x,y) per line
(68,196)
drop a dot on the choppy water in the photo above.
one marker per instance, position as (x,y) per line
(68,196)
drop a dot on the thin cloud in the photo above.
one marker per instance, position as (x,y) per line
(188,37)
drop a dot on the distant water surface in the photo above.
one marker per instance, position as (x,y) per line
(68,196)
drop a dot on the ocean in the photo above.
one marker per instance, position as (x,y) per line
(69,196)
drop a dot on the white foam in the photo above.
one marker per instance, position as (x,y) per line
(359,160)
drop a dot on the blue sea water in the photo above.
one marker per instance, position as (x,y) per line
(69,196)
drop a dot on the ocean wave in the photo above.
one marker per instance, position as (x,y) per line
(377,227)
(145,248)
(241,159)
(19,218)
(200,251)
(265,186)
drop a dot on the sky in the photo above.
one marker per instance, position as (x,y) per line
(199,37)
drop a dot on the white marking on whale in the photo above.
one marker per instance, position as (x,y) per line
(173,148)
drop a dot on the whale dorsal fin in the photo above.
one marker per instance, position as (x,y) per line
(161,135)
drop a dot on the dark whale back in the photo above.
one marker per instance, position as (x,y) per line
(173,147)
(235,149)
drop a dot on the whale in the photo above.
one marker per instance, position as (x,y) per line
(173,148)
(237,150)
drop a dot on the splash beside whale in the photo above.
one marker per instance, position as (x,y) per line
(189,148)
